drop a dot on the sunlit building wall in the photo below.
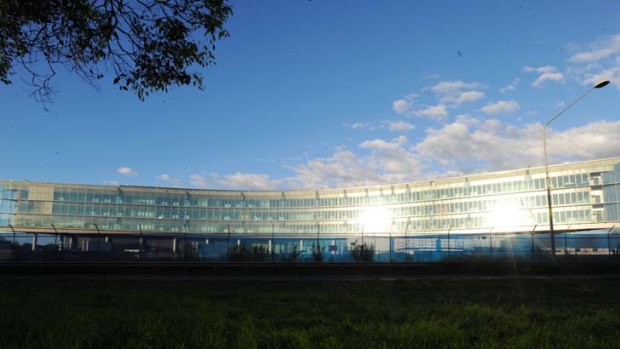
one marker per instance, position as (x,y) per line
(585,195)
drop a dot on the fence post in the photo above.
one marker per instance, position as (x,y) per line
(532,234)
(491,241)
(449,228)
(609,240)
(98,239)
(272,242)
(228,242)
(13,229)
(407,239)
(55,236)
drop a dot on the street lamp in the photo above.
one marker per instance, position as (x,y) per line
(547,179)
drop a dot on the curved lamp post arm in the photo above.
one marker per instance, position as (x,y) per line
(547,179)
(555,117)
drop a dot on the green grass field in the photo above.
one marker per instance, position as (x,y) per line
(455,313)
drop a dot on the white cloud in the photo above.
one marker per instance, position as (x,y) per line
(246,181)
(400,105)
(447,95)
(611,73)
(381,144)
(400,126)
(454,93)
(559,104)
(601,62)
(467,145)
(510,87)
(472,145)
(199,180)
(501,107)
(436,112)
(342,169)
(169,179)
(127,171)
(469,96)
(546,73)
(359,125)
(592,141)
(446,87)
(602,49)
(548,77)
(540,70)
(367,125)
(403,104)
(115,183)
(386,162)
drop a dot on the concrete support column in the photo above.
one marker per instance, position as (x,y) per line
(62,242)
(34,242)
(301,245)
(269,247)
(174,245)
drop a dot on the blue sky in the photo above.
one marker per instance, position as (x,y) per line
(309,94)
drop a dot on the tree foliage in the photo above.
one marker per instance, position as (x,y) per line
(363,252)
(145,45)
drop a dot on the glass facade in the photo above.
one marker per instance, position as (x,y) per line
(8,198)
(583,194)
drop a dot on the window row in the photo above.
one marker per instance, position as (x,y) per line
(411,225)
(191,200)
(464,206)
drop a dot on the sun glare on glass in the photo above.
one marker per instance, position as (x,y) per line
(375,219)
(509,215)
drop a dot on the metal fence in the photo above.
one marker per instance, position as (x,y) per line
(380,249)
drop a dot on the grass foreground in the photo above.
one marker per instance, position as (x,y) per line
(412,313)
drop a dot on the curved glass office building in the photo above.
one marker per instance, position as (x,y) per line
(585,196)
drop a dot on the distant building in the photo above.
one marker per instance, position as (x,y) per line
(585,196)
